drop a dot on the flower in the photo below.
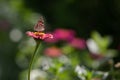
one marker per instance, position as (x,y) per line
(39,28)
(78,43)
(92,46)
(81,72)
(39,35)
(64,34)
(53,52)
(117,65)
(37,74)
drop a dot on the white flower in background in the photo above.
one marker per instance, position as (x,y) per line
(92,46)
(64,59)
(103,74)
(38,75)
(80,70)
(45,63)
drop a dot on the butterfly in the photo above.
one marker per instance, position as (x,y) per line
(40,26)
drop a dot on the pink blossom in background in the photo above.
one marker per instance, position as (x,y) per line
(39,35)
(53,52)
(78,43)
(63,34)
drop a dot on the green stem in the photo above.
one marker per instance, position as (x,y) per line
(32,59)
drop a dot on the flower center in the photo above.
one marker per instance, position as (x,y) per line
(39,33)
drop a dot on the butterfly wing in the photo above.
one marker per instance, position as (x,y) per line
(40,26)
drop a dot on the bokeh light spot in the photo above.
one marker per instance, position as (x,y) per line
(15,35)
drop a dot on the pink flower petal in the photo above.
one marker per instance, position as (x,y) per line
(39,35)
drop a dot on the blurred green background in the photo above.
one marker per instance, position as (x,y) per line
(83,16)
